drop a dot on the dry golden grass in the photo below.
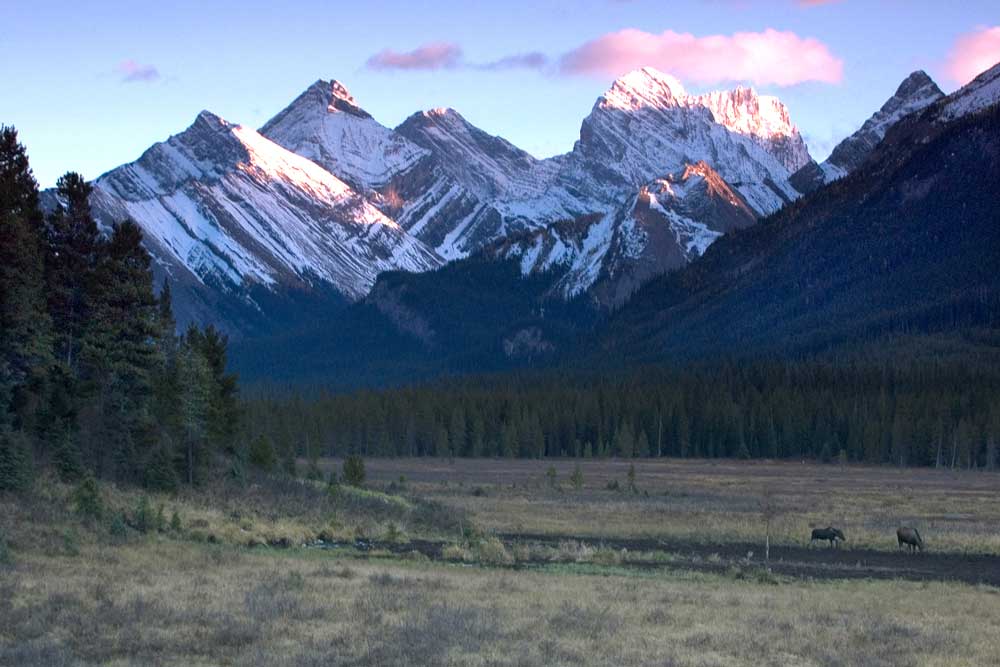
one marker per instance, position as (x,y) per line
(74,594)
(179,603)
(712,501)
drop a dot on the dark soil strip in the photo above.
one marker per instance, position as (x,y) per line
(816,562)
(820,563)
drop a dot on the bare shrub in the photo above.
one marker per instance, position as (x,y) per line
(491,551)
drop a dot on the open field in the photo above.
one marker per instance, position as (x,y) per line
(491,563)
(712,502)
(177,603)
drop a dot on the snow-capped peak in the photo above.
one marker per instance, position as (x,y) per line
(340,92)
(644,88)
(439,112)
(916,92)
(211,120)
(763,118)
(325,125)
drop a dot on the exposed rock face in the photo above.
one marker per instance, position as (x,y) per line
(325,197)
(668,223)
(526,343)
(977,95)
(324,124)
(915,93)
(647,126)
(224,209)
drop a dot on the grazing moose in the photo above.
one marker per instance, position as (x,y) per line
(828,533)
(910,537)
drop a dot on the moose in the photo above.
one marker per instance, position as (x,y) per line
(910,537)
(829,533)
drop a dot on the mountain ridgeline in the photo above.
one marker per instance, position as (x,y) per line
(338,251)
(686,281)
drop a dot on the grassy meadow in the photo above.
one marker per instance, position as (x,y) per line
(422,570)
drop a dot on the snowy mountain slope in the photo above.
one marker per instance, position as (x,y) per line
(644,148)
(226,206)
(325,125)
(460,189)
(646,126)
(438,176)
(916,92)
(668,223)
(486,165)
(980,93)
(325,197)
(763,118)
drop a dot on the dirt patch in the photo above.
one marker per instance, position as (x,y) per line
(814,562)
(800,562)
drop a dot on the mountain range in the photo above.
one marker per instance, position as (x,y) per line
(325,225)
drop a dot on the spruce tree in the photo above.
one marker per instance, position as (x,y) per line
(195,378)
(24,323)
(119,351)
(73,249)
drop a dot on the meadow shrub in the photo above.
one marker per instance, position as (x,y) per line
(313,473)
(491,551)
(604,556)
(70,543)
(456,552)
(354,470)
(175,522)
(16,472)
(87,500)
(143,519)
(118,527)
(261,454)
(6,557)
(393,535)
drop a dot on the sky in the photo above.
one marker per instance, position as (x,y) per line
(91,85)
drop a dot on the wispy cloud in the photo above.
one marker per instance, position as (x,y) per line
(972,53)
(533,60)
(130,72)
(437,55)
(768,57)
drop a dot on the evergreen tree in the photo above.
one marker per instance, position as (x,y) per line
(74,247)
(119,354)
(16,471)
(261,454)
(24,322)
(354,470)
(195,379)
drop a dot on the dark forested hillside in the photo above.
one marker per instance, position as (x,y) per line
(908,244)
(916,414)
(472,316)
(93,377)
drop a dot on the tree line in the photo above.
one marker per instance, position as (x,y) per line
(94,379)
(944,413)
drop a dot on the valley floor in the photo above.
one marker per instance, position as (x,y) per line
(186,604)
(502,563)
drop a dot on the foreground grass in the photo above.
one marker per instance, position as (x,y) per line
(179,603)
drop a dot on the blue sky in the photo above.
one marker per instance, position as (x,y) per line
(90,85)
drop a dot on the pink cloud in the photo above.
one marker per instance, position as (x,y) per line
(131,71)
(437,55)
(973,53)
(816,3)
(769,57)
